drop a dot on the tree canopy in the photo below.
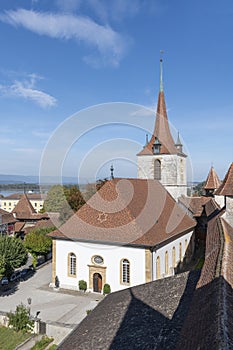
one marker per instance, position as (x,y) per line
(12,254)
(37,243)
(64,200)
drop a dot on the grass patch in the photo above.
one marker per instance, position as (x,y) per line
(9,338)
(42,344)
(52,347)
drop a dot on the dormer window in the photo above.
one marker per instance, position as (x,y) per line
(156,146)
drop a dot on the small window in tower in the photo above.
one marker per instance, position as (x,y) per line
(157,169)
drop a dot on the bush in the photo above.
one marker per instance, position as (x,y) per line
(57,282)
(43,343)
(107,289)
(88,311)
(82,285)
(20,320)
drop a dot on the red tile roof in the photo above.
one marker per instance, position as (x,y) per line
(25,210)
(134,211)
(19,226)
(212,181)
(226,188)
(194,204)
(6,217)
(161,131)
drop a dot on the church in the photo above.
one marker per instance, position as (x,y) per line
(132,231)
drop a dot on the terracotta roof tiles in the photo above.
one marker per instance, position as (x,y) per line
(161,131)
(25,210)
(6,217)
(212,181)
(128,211)
(226,188)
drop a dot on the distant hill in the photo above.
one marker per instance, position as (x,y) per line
(30,179)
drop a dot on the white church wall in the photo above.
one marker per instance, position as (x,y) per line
(185,241)
(112,256)
(229,210)
(220,200)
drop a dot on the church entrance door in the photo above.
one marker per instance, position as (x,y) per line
(97,282)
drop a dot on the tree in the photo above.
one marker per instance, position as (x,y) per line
(12,254)
(198,190)
(64,200)
(90,190)
(37,243)
(55,199)
(74,197)
(20,319)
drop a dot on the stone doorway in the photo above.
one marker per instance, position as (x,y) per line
(97,282)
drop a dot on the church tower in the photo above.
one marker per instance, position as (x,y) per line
(161,158)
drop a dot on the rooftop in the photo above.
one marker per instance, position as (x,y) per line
(226,188)
(128,211)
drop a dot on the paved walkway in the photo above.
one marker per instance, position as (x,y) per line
(67,307)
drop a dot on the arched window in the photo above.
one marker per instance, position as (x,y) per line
(125,271)
(173,257)
(158,275)
(72,261)
(180,252)
(166,263)
(157,169)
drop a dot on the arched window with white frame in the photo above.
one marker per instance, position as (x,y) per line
(125,271)
(72,265)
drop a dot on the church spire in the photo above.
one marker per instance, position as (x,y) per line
(161,133)
(161,72)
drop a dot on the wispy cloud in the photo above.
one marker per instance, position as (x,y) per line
(27,150)
(26,89)
(6,141)
(41,134)
(109,43)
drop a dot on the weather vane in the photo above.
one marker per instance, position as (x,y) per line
(161,55)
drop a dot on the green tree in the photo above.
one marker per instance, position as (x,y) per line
(74,197)
(64,200)
(55,199)
(198,190)
(20,319)
(12,254)
(37,243)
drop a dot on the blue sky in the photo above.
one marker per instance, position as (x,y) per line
(60,57)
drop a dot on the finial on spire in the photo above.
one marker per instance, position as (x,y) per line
(147,141)
(112,170)
(161,70)
(178,144)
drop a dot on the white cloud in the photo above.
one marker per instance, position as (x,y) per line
(110,44)
(26,89)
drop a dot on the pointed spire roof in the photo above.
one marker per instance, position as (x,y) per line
(25,210)
(178,142)
(212,181)
(226,188)
(161,131)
